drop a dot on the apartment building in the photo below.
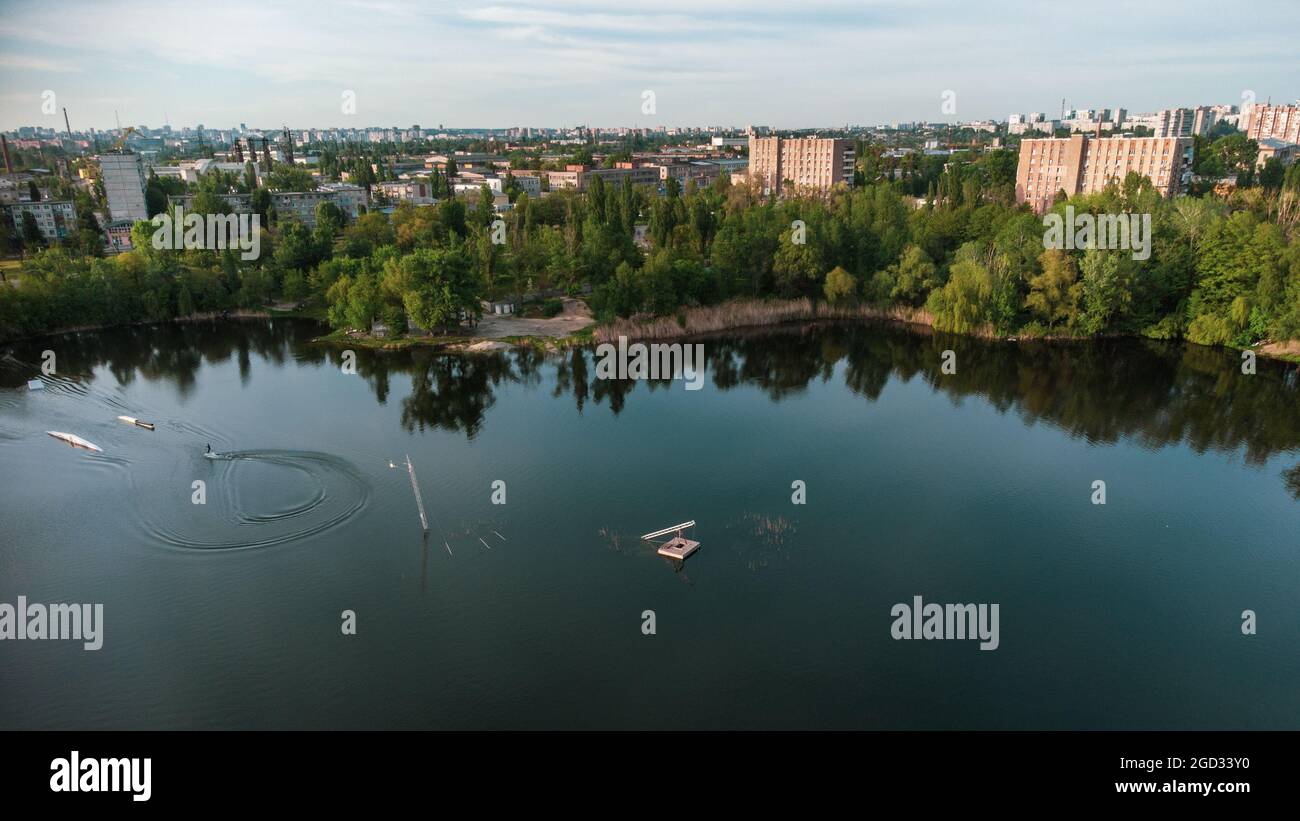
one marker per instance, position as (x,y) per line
(301,205)
(1204,118)
(628,172)
(417,192)
(124,181)
(1090,120)
(1182,122)
(701,172)
(1275,122)
(466,161)
(1280,150)
(530,184)
(568,178)
(805,162)
(1082,164)
(239,203)
(579,177)
(1174,122)
(55,218)
(298,205)
(13,187)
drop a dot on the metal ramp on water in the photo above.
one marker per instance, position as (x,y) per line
(678,547)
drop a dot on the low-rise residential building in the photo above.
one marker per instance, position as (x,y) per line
(118,233)
(417,192)
(529,184)
(500,202)
(624,173)
(1280,150)
(301,205)
(467,185)
(700,172)
(570,177)
(239,203)
(14,187)
(297,205)
(56,218)
(466,161)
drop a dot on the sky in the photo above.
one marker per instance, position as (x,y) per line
(791,64)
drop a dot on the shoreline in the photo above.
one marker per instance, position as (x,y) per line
(700,322)
(458,343)
(742,315)
(176,320)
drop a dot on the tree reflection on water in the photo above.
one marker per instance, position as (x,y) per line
(1155,393)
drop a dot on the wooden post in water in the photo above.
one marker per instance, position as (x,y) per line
(419,502)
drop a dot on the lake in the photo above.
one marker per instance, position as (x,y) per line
(971,487)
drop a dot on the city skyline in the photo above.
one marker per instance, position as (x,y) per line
(820,64)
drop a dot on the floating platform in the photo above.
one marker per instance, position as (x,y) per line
(678,548)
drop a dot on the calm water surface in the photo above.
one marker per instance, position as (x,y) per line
(972,487)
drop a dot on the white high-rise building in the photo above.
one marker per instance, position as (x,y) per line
(124,183)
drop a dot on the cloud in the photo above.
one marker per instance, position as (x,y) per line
(17,61)
(722,62)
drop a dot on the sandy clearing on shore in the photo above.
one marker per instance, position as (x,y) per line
(573,318)
(1289,348)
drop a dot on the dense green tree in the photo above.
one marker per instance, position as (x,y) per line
(1054,293)
(962,305)
(436,286)
(1105,290)
(31,233)
(840,286)
(285,177)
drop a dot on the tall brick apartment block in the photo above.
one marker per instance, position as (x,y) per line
(816,162)
(1082,164)
(1274,122)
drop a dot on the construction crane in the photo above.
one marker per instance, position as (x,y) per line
(120,142)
